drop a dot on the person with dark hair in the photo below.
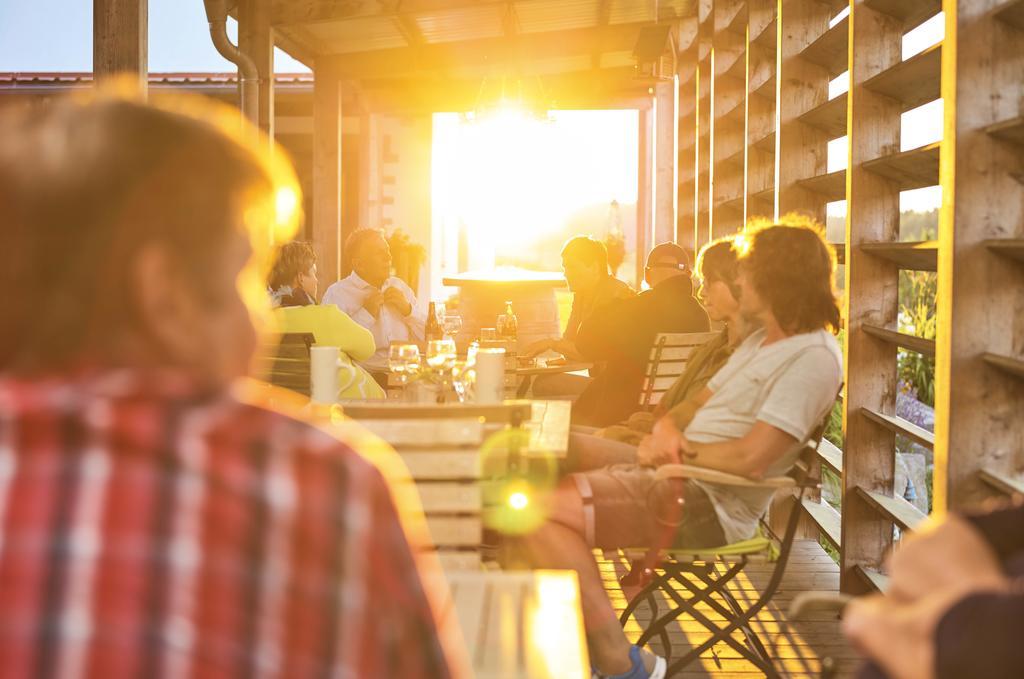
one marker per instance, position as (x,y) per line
(591,447)
(155,523)
(619,336)
(752,419)
(954,603)
(585,264)
(293,287)
(376,300)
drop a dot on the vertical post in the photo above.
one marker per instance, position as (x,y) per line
(687,136)
(120,39)
(801,151)
(327,173)
(645,189)
(980,307)
(871,292)
(666,160)
(256,39)
(705,84)
(760,161)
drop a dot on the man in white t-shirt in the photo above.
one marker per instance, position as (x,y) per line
(753,419)
(375,299)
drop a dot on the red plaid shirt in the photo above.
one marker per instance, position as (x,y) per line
(149,530)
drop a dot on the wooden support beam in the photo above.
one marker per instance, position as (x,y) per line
(256,39)
(871,294)
(687,164)
(120,39)
(476,57)
(645,210)
(827,521)
(287,12)
(898,510)
(666,142)
(979,297)
(759,164)
(327,174)
(801,150)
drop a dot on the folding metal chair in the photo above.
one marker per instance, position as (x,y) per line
(702,574)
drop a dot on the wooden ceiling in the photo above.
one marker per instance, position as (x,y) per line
(436,54)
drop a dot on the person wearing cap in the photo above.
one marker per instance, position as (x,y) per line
(619,336)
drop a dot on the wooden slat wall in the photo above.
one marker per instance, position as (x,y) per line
(981,293)
(750,157)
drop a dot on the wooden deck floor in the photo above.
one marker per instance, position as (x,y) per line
(797,647)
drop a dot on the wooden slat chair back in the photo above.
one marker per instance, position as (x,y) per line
(442,456)
(283,360)
(705,574)
(667,361)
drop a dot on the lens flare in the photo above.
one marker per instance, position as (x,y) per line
(518,501)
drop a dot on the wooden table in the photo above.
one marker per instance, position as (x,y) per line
(548,421)
(521,624)
(543,368)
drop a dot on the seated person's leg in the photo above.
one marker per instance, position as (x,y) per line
(587,452)
(612,508)
(582,429)
(560,386)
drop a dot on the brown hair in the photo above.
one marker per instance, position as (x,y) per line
(85,186)
(718,261)
(588,250)
(294,258)
(793,268)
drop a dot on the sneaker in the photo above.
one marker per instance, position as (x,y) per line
(637,671)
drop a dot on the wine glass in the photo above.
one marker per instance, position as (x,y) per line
(452,325)
(441,354)
(409,357)
(396,363)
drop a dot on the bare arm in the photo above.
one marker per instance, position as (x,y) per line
(749,456)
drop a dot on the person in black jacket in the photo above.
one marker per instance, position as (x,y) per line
(619,336)
(954,604)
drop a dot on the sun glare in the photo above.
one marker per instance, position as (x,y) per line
(505,181)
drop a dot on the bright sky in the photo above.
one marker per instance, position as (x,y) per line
(56,35)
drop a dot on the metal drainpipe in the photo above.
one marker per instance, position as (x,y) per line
(248,75)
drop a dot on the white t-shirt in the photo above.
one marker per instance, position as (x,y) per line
(349,293)
(789,384)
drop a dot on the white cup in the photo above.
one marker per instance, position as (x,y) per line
(490,375)
(324,382)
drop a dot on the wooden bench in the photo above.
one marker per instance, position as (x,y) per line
(283,360)
(441,445)
(667,361)
(442,456)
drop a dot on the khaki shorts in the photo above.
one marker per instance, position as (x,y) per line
(624,506)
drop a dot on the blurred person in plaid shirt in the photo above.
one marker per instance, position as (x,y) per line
(151,522)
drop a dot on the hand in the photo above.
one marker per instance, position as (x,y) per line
(951,556)
(538,347)
(662,446)
(900,637)
(394,298)
(373,302)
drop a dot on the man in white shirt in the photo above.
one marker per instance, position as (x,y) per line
(375,299)
(753,418)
